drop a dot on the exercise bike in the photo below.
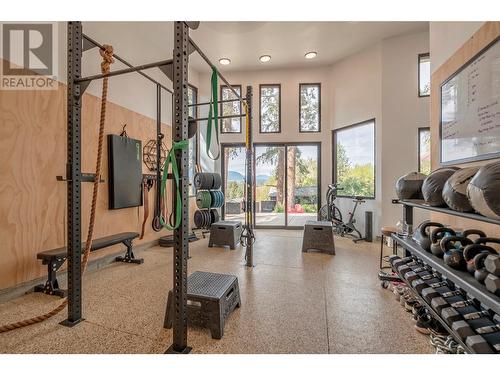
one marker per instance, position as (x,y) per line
(330,212)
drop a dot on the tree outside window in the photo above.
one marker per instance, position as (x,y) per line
(354,159)
(230,125)
(270,108)
(424,150)
(424,74)
(310,107)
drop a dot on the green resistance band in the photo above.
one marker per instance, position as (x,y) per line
(181,145)
(213,115)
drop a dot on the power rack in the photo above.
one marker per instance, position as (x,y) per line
(176,69)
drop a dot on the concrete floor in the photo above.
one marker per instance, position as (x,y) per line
(291,303)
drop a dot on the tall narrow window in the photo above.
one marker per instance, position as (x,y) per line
(424,74)
(270,108)
(310,107)
(230,125)
(193,142)
(354,159)
(424,150)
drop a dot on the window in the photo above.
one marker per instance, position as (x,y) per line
(270,108)
(193,142)
(354,159)
(424,150)
(310,107)
(424,75)
(230,125)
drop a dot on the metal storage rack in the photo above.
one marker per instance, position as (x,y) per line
(461,279)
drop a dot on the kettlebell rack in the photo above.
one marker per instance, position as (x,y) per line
(461,280)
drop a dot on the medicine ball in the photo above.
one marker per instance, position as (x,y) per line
(432,188)
(483,190)
(409,186)
(455,189)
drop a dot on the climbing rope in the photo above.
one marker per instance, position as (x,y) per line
(107,59)
(213,115)
(171,160)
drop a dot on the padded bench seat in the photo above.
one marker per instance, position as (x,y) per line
(55,258)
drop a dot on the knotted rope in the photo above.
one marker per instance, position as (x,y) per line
(107,60)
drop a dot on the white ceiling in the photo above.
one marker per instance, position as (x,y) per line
(244,42)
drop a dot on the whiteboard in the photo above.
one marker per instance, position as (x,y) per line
(470,109)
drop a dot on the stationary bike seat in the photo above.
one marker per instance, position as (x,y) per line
(359,199)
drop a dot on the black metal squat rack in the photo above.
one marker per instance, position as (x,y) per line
(177,71)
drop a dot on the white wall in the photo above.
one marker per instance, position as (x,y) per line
(403,112)
(356,95)
(447,37)
(289,80)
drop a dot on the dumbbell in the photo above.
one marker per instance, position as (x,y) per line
(419,285)
(417,273)
(450,314)
(452,299)
(492,283)
(430,294)
(399,262)
(471,251)
(492,264)
(410,266)
(479,334)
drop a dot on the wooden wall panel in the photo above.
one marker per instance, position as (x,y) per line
(32,153)
(484,36)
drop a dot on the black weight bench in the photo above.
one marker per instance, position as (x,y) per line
(55,258)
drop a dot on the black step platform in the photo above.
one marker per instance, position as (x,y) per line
(55,258)
(211,298)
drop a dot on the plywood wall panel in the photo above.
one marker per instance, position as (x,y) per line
(484,36)
(32,153)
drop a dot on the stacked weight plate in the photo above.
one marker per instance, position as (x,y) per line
(208,199)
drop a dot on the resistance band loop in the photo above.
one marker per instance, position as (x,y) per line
(181,145)
(213,115)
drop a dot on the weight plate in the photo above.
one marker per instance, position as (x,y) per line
(198,219)
(214,215)
(217,181)
(203,199)
(203,181)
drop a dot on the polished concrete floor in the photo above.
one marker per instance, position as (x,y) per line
(291,303)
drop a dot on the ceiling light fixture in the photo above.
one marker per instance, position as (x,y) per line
(311,55)
(224,61)
(265,58)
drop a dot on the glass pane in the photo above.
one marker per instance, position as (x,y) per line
(269,109)
(270,185)
(309,108)
(424,151)
(234,182)
(424,74)
(355,160)
(230,125)
(302,184)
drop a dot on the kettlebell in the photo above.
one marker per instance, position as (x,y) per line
(421,235)
(471,251)
(436,236)
(480,273)
(469,232)
(454,257)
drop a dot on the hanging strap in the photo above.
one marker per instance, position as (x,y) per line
(181,145)
(213,116)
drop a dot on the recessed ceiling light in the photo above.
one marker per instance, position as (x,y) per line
(224,61)
(265,58)
(311,55)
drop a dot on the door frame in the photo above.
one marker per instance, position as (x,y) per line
(273,144)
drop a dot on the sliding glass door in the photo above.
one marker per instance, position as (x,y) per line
(286,183)
(270,186)
(233,178)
